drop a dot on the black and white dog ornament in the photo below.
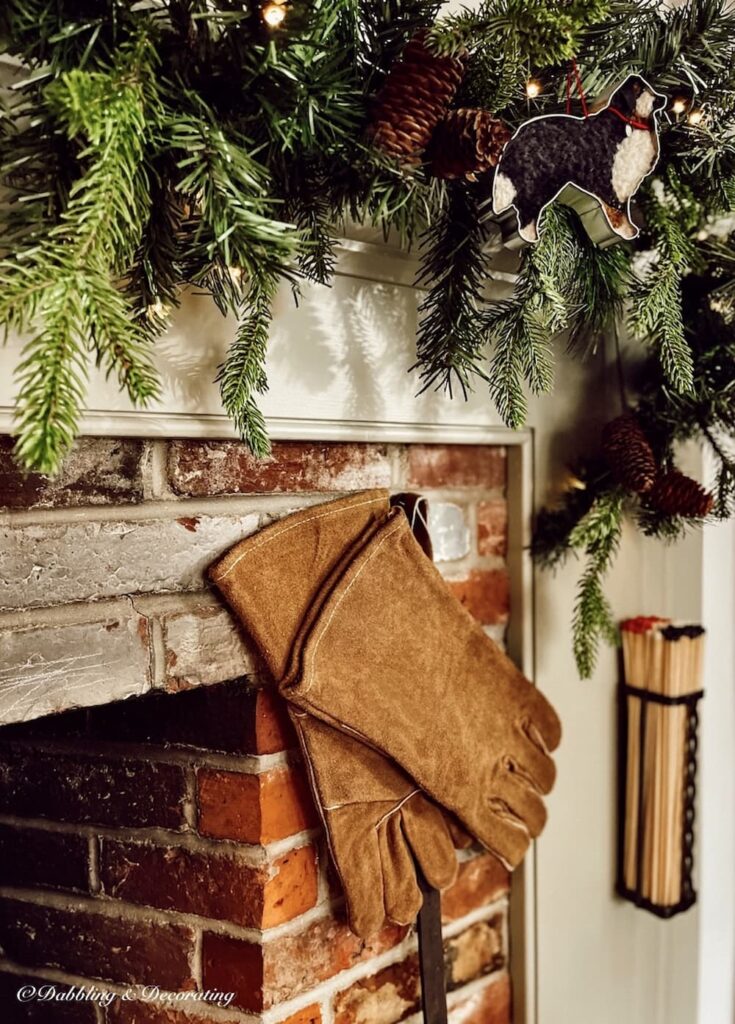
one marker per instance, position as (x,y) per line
(606,154)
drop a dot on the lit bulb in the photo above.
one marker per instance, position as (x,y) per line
(695,116)
(235,275)
(274,14)
(533,88)
(679,105)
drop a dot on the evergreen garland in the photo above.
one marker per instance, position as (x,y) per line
(147,147)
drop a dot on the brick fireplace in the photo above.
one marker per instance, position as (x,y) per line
(157,835)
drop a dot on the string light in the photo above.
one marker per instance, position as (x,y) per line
(679,105)
(696,116)
(236,275)
(274,14)
(533,88)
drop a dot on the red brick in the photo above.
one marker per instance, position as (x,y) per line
(491,1005)
(213,885)
(234,965)
(476,951)
(97,945)
(85,789)
(298,962)
(199,468)
(273,729)
(456,465)
(38,1011)
(262,976)
(492,527)
(97,471)
(254,808)
(32,856)
(309,1015)
(292,888)
(384,998)
(485,593)
(479,882)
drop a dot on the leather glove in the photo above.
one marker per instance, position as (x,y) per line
(375,816)
(397,662)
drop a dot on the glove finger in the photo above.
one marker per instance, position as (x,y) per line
(506,837)
(403,898)
(543,718)
(427,833)
(534,762)
(521,800)
(357,858)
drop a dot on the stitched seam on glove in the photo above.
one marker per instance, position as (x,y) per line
(394,810)
(276,533)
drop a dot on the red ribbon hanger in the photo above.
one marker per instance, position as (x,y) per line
(574,70)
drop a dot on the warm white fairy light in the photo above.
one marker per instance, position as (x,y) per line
(696,116)
(679,105)
(274,14)
(533,88)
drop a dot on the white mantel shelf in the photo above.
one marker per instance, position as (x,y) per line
(338,365)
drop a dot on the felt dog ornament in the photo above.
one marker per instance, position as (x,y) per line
(606,154)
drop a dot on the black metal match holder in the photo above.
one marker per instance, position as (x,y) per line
(688,764)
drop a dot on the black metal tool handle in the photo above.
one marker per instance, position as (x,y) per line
(431,955)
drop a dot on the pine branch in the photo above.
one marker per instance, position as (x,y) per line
(75,270)
(451,336)
(656,315)
(242,375)
(656,308)
(546,300)
(598,536)
(544,33)
(228,187)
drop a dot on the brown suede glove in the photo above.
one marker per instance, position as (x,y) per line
(397,662)
(375,816)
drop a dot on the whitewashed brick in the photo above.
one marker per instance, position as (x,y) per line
(56,563)
(204,646)
(450,534)
(48,669)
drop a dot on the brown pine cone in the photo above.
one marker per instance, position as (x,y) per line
(629,454)
(415,96)
(466,143)
(675,494)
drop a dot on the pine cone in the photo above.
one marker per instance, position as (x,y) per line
(629,454)
(414,98)
(467,142)
(675,494)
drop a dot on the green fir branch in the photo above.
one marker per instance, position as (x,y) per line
(66,288)
(242,376)
(450,337)
(597,535)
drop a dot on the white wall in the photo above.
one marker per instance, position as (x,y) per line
(717,783)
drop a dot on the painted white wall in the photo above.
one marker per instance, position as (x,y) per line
(717,783)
